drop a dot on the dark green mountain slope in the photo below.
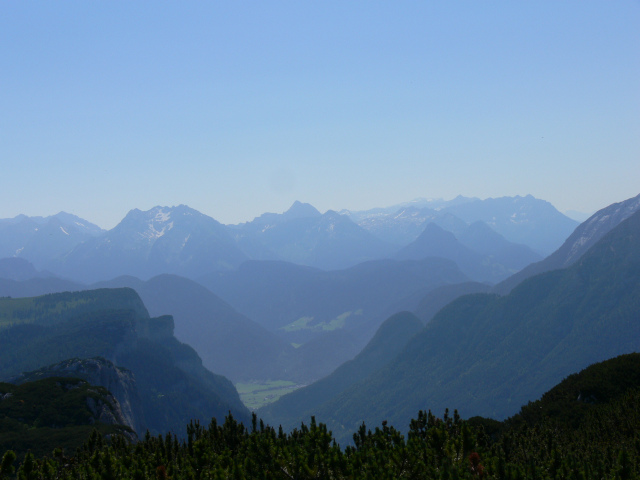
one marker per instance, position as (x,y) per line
(112,323)
(604,444)
(56,412)
(98,371)
(390,338)
(569,402)
(61,307)
(587,426)
(487,354)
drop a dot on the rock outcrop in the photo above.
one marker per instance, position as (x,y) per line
(127,406)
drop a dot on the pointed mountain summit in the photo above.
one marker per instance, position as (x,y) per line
(483,239)
(434,241)
(177,240)
(583,238)
(300,210)
(437,242)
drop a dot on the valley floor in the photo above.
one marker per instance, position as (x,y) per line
(258,394)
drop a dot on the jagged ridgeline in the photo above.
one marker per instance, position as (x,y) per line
(600,441)
(172,384)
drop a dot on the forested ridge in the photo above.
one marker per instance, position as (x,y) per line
(601,439)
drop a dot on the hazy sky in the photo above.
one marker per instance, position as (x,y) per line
(236,107)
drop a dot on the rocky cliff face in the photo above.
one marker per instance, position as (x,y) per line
(126,408)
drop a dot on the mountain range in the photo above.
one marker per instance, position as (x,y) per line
(44,240)
(464,315)
(522,220)
(487,354)
(304,236)
(176,240)
(182,241)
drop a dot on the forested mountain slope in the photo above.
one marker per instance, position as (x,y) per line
(487,354)
(601,441)
(49,413)
(113,323)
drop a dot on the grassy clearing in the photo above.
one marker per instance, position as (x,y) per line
(304,323)
(300,324)
(257,394)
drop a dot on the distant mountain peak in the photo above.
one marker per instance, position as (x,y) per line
(301,210)
(433,230)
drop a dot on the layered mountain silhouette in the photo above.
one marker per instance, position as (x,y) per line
(403,226)
(228,342)
(19,269)
(483,239)
(440,297)
(500,260)
(487,355)
(180,240)
(521,220)
(583,237)
(524,220)
(388,341)
(279,294)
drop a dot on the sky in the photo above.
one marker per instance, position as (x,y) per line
(236,108)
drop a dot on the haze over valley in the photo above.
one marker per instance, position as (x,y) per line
(320,240)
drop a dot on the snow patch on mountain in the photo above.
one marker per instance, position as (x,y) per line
(162,216)
(152,233)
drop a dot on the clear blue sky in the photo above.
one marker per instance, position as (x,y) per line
(236,108)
